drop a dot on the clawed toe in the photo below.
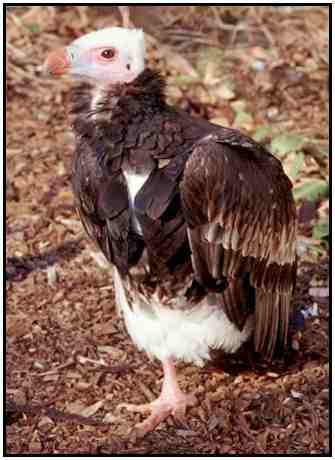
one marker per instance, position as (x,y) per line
(172,401)
(140,408)
(160,410)
(148,425)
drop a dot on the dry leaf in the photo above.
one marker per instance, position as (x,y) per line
(91,410)
(110,418)
(297,394)
(18,325)
(75,407)
(52,275)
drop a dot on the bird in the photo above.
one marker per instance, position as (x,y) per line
(197,220)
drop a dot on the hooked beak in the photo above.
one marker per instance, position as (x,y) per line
(57,63)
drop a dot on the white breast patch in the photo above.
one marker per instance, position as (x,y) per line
(134,183)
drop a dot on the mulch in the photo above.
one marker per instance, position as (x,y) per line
(69,360)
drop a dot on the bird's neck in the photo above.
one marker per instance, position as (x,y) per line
(102,102)
(122,122)
(131,122)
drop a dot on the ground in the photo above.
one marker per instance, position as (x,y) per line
(69,359)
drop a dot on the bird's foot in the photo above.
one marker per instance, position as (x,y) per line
(160,409)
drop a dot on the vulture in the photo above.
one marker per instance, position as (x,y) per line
(197,220)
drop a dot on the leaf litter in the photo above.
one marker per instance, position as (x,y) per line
(259,69)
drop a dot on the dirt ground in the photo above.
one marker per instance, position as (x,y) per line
(69,359)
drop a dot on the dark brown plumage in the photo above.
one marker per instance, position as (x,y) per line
(220,195)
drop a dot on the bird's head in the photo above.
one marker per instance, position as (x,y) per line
(109,56)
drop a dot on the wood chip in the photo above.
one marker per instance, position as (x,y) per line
(18,325)
(186,433)
(51,378)
(45,421)
(83,385)
(91,410)
(75,407)
(146,391)
(319,292)
(38,365)
(84,360)
(110,418)
(272,375)
(18,395)
(297,394)
(52,275)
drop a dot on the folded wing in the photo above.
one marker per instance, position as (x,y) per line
(241,219)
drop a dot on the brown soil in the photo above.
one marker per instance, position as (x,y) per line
(69,359)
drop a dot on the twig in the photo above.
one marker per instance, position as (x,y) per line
(113,369)
(70,362)
(125,15)
(84,360)
(39,409)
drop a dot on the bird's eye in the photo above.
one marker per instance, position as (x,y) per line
(108,53)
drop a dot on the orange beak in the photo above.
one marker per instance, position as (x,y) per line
(57,62)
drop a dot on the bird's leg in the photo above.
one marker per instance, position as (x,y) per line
(172,401)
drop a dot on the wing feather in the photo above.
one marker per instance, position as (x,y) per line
(241,219)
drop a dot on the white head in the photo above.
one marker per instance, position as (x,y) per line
(108,56)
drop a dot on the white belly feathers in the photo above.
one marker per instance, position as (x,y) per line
(182,334)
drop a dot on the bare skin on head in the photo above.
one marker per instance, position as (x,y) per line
(106,57)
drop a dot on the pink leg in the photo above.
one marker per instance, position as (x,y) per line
(172,401)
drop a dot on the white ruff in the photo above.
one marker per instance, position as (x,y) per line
(134,183)
(182,335)
(96,98)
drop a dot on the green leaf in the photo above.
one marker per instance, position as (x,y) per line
(210,62)
(321,147)
(286,143)
(317,250)
(225,91)
(296,165)
(321,229)
(185,80)
(262,132)
(239,106)
(324,152)
(243,120)
(311,190)
(34,28)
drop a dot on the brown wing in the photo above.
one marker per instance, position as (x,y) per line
(241,218)
(105,216)
(102,204)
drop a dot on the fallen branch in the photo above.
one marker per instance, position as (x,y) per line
(14,410)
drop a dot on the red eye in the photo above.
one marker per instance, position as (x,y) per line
(108,53)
